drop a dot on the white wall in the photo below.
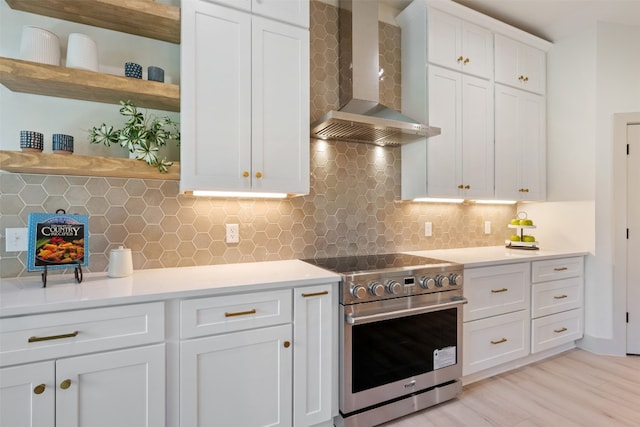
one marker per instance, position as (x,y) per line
(51,115)
(592,74)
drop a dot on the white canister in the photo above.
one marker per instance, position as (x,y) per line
(39,45)
(82,52)
(120,262)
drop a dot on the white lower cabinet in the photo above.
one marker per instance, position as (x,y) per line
(122,387)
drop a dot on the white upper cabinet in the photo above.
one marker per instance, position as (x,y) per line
(245,102)
(294,12)
(460,45)
(520,65)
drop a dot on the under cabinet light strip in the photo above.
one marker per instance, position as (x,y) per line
(236,194)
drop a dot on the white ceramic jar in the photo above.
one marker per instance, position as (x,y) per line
(120,262)
(39,45)
(82,52)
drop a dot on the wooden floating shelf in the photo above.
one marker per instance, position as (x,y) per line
(65,164)
(140,17)
(51,80)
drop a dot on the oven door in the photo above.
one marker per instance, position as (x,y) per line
(398,347)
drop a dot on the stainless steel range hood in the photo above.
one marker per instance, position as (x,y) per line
(361,117)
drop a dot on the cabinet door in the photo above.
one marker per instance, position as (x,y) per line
(519,65)
(520,145)
(27,395)
(477,50)
(292,11)
(215,153)
(314,353)
(123,388)
(241,379)
(280,117)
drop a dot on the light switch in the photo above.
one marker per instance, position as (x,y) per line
(487,227)
(428,229)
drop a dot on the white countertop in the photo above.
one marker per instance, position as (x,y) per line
(493,255)
(20,296)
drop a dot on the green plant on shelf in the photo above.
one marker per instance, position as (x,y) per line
(142,135)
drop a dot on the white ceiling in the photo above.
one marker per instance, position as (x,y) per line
(552,19)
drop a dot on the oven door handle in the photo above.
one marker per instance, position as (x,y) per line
(402,313)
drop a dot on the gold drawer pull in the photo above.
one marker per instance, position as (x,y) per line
(497,291)
(560,296)
(287,344)
(53,337)
(65,384)
(499,341)
(557,331)
(315,294)
(240,313)
(560,269)
(39,389)
(460,58)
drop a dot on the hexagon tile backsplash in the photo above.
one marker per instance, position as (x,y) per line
(353,206)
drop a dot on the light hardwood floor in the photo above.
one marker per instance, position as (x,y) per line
(576,388)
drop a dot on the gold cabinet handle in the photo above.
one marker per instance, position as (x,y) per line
(53,337)
(526,79)
(460,58)
(466,61)
(500,341)
(286,344)
(467,187)
(39,389)
(258,175)
(560,296)
(521,78)
(557,331)
(240,313)
(315,294)
(497,291)
(560,269)
(460,186)
(245,174)
(65,384)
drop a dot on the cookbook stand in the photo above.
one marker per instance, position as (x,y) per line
(77,273)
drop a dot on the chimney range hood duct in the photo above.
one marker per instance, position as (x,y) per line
(362,118)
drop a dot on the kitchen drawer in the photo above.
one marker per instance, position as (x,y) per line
(215,315)
(53,335)
(496,290)
(557,296)
(557,329)
(494,341)
(556,269)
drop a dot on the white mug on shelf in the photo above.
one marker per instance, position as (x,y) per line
(82,52)
(39,45)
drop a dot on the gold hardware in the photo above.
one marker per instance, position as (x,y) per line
(315,294)
(240,313)
(557,331)
(499,341)
(461,186)
(65,384)
(287,344)
(258,175)
(466,61)
(460,58)
(466,187)
(521,78)
(560,296)
(53,337)
(560,269)
(526,79)
(245,174)
(39,389)
(497,291)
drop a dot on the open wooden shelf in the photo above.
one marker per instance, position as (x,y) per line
(51,80)
(65,164)
(140,17)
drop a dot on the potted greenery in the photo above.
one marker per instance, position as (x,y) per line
(141,135)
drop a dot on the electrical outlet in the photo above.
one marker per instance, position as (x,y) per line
(487,227)
(428,229)
(15,239)
(233,233)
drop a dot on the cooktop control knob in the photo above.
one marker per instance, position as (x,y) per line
(426,282)
(376,289)
(441,281)
(358,291)
(455,279)
(394,287)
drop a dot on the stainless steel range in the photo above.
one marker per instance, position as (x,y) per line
(400,335)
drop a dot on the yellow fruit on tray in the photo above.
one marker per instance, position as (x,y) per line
(514,238)
(515,221)
(525,222)
(529,239)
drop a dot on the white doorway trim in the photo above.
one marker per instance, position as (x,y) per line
(620,123)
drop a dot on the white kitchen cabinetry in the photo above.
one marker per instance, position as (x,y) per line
(556,302)
(262,348)
(244,100)
(460,45)
(291,11)
(520,145)
(460,159)
(67,383)
(520,65)
(496,320)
